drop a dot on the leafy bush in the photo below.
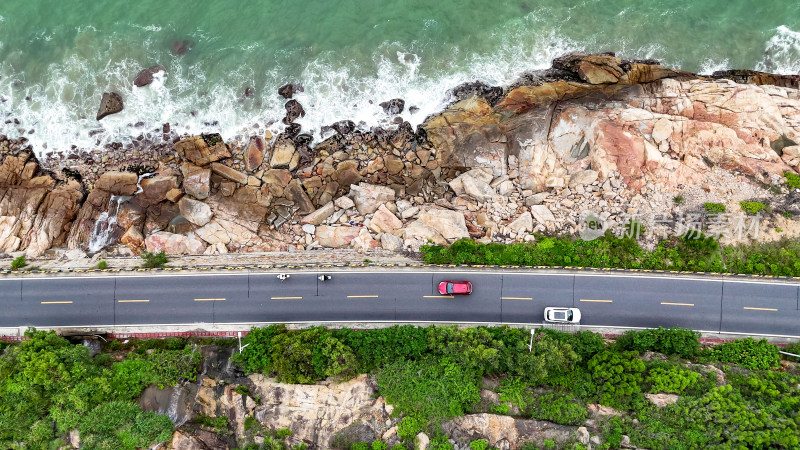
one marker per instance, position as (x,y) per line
(561,409)
(378,445)
(101,265)
(748,353)
(669,341)
(752,208)
(479,444)
(18,263)
(154,260)
(430,389)
(255,357)
(283,433)
(374,348)
(678,200)
(617,376)
(792,180)
(672,379)
(409,427)
(714,208)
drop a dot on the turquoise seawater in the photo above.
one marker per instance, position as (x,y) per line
(58,57)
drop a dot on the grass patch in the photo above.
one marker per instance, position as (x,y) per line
(714,208)
(792,180)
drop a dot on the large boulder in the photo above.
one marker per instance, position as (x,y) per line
(383,221)
(196,180)
(204,149)
(335,237)
(155,189)
(295,192)
(145,77)
(111,103)
(505,432)
(118,183)
(450,224)
(195,211)
(229,173)
(284,155)
(364,242)
(133,239)
(318,216)
(174,244)
(522,224)
(52,218)
(368,197)
(542,214)
(254,154)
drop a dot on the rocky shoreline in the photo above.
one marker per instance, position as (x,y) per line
(620,139)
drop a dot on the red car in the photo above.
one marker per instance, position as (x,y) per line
(455,288)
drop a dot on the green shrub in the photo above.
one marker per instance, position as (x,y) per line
(360,446)
(748,353)
(792,180)
(787,214)
(669,341)
(617,377)
(672,379)
(714,208)
(430,389)
(18,263)
(409,427)
(378,445)
(752,208)
(255,357)
(558,408)
(243,390)
(678,200)
(283,433)
(101,265)
(154,260)
(480,444)
(501,409)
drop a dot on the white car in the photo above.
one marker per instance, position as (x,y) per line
(562,315)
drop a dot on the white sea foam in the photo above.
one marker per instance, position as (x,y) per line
(782,53)
(712,65)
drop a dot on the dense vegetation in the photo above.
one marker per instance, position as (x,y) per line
(691,253)
(49,387)
(432,374)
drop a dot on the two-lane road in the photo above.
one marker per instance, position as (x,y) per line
(720,304)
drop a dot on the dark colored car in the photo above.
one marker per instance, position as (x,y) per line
(455,288)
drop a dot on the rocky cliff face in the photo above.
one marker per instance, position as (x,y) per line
(592,133)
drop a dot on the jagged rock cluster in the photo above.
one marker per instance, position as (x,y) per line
(593,133)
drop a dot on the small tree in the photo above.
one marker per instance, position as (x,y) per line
(154,260)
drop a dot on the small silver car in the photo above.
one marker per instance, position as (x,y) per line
(562,315)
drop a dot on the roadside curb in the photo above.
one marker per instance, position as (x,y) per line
(234,330)
(317,266)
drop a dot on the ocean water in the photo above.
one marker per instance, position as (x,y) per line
(58,57)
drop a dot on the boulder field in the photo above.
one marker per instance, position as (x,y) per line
(594,132)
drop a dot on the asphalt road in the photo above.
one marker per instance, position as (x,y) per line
(708,304)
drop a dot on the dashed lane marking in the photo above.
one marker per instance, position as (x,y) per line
(760,309)
(209,299)
(286,298)
(362,296)
(516,298)
(58,303)
(677,304)
(596,301)
(133,301)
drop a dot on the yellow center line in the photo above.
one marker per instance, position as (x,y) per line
(286,298)
(437,296)
(57,303)
(677,304)
(133,301)
(209,299)
(760,309)
(596,301)
(362,296)
(516,298)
